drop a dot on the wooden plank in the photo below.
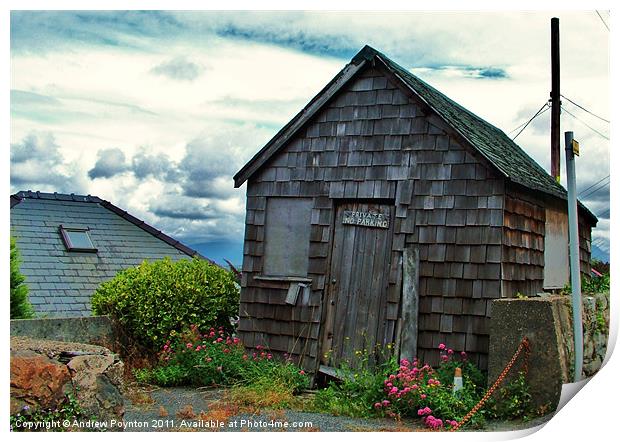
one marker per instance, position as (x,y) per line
(366,337)
(292,294)
(410,299)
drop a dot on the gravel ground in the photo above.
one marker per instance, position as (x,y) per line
(166,409)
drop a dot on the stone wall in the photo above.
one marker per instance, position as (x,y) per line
(44,372)
(547,323)
(595,333)
(96,330)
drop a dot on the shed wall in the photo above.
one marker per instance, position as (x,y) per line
(523,249)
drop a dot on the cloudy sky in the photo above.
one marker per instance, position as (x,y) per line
(156,111)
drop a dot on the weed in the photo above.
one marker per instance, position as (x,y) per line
(187,412)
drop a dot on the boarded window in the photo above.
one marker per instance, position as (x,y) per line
(556,249)
(287,236)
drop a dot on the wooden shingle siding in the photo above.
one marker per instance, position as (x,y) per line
(523,244)
(585,246)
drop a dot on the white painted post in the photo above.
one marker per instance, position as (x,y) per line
(575,270)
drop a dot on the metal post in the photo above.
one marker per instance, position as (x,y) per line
(575,271)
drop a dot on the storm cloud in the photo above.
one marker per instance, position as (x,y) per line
(159,166)
(37,163)
(110,162)
(179,68)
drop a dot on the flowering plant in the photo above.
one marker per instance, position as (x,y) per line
(419,390)
(217,358)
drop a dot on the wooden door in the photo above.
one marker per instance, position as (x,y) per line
(356,296)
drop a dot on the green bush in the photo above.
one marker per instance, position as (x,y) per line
(595,284)
(157,298)
(20,306)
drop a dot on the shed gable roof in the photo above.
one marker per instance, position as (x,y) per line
(60,197)
(491,142)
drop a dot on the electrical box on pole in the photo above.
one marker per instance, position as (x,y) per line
(572,149)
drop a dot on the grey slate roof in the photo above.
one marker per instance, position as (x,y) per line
(62,282)
(492,143)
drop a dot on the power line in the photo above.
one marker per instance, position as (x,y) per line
(588,188)
(601,17)
(584,109)
(585,124)
(540,111)
(600,242)
(604,214)
(521,125)
(592,192)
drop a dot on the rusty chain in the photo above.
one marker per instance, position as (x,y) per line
(524,345)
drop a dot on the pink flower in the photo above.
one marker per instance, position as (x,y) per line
(422,396)
(394,390)
(198,348)
(385,403)
(433,423)
(269,356)
(377,404)
(444,358)
(302,372)
(424,411)
(218,340)
(245,357)
(450,351)
(442,346)
(209,359)
(189,345)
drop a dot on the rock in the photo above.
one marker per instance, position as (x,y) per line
(96,380)
(37,380)
(43,372)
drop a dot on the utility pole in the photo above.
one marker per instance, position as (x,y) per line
(555,98)
(572,148)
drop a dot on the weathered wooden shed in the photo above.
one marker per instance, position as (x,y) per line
(386,213)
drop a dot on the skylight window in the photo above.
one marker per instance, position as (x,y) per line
(77,239)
